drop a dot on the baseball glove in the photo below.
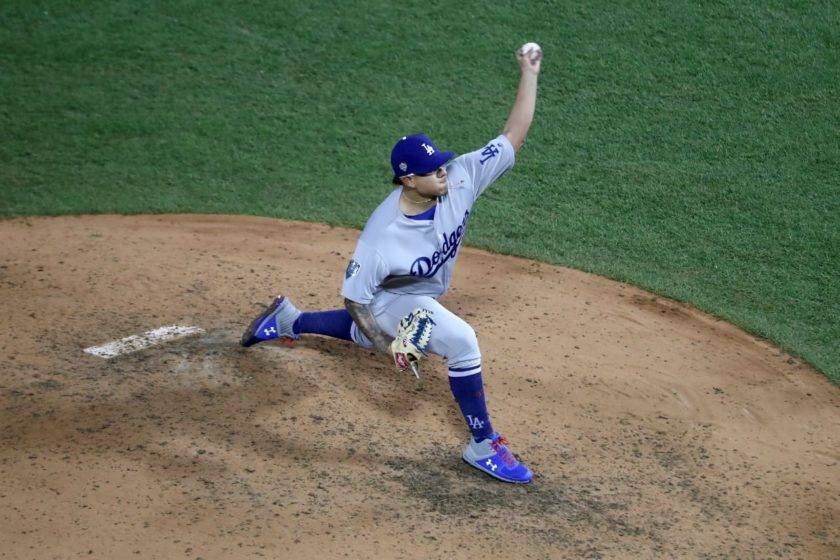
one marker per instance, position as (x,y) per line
(413,336)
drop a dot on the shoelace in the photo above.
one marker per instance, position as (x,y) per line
(499,445)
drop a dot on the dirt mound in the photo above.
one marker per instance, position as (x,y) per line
(653,430)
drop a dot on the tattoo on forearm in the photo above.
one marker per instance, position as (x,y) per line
(366,322)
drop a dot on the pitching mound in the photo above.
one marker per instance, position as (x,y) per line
(653,430)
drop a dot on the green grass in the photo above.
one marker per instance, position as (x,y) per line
(691,150)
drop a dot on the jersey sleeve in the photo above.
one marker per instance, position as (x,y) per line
(486,165)
(364,274)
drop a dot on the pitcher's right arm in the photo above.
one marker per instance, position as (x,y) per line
(366,322)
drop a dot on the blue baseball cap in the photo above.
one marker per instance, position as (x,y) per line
(417,155)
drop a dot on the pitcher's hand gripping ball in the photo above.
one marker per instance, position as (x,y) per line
(530,50)
(413,336)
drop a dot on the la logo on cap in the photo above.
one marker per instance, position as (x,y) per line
(417,155)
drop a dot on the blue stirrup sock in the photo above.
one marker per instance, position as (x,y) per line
(335,323)
(469,392)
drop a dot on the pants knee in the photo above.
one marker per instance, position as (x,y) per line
(463,347)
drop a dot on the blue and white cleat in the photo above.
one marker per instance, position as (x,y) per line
(494,458)
(275,322)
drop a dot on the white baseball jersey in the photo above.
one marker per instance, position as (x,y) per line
(397,255)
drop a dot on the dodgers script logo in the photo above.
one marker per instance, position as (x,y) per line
(428,266)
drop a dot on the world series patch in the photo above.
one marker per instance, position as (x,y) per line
(352,269)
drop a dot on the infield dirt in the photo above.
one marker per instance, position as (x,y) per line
(655,431)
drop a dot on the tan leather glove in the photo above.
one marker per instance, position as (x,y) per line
(413,336)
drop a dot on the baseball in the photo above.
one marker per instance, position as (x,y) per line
(528,47)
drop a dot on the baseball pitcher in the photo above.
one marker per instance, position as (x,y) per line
(403,263)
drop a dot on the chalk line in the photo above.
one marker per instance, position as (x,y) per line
(139,342)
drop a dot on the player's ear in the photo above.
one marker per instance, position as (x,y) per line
(408,181)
